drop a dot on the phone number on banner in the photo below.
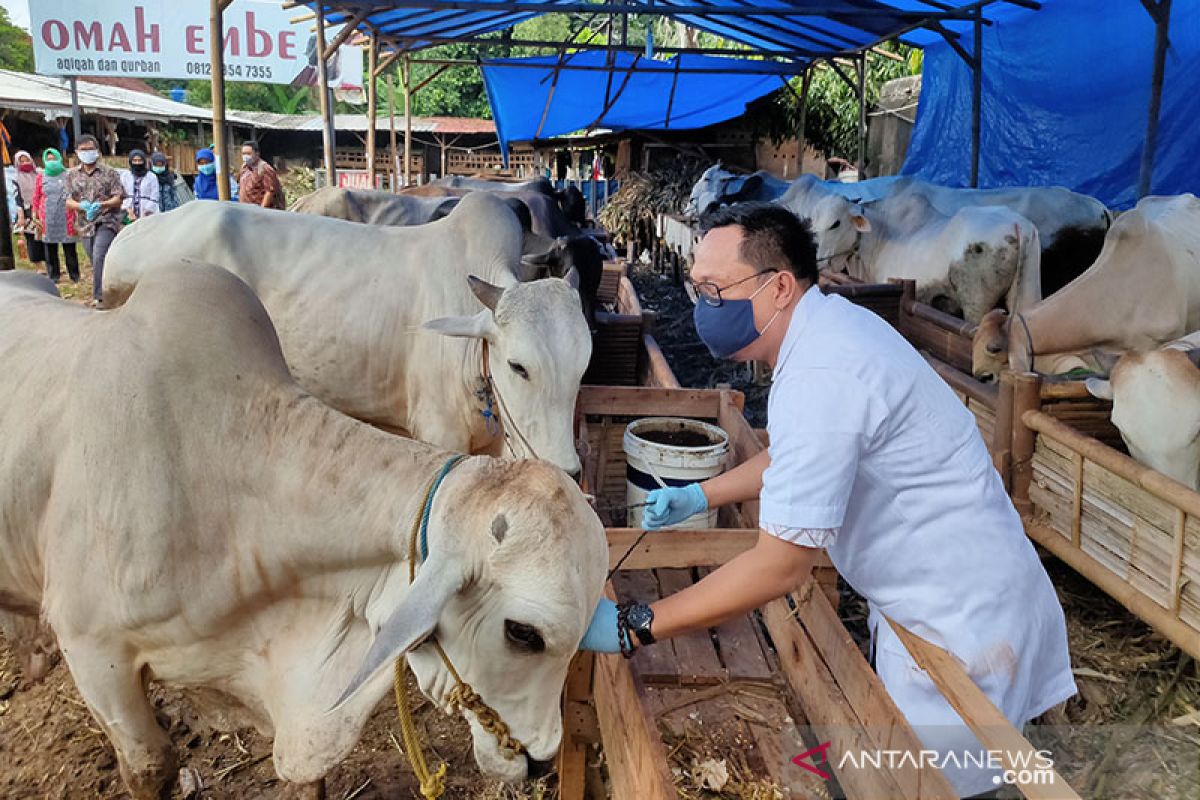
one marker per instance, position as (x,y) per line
(252,71)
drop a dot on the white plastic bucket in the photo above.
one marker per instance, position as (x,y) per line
(677,451)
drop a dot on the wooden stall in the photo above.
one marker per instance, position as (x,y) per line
(759,690)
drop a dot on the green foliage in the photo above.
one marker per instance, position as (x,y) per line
(16,48)
(832,122)
(271,97)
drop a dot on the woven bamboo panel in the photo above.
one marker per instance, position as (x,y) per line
(1122,526)
(616,351)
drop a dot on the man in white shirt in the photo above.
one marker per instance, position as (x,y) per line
(874,459)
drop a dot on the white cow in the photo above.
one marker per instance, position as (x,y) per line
(717,187)
(349,302)
(374,208)
(1143,291)
(1156,406)
(211,525)
(964,263)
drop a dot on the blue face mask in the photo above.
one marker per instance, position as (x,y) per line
(208,169)
(729,327)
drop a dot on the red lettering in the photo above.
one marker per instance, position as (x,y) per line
(287,44)
(55,34)
(89,36)
(193,39)
(118,39)
(252,36)
(147,38)
(232,46)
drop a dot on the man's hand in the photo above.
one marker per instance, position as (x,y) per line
(602,634)
(90,209)
(671,506)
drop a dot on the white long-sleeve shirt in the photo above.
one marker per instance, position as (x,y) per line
(141,194)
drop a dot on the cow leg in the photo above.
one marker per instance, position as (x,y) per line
(113,689)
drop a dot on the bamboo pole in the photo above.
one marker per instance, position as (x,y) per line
(394,165)
(976,97)
(1026,398)
(407,121)
(216,55)
(1002,435)
(372,101)
(861,163)
(1161,13)
(805,85)
(327,132)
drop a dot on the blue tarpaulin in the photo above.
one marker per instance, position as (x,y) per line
(1065,99)
(641,94)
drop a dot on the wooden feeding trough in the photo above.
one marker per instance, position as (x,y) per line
(756,691)
(618,350)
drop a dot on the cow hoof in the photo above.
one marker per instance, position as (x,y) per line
(154,781)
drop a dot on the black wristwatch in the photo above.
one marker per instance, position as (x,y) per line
(637,618)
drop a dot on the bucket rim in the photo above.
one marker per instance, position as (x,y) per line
(718,446)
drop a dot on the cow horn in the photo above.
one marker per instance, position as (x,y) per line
(409,624)
(485,292)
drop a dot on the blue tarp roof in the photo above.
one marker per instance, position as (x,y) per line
(1065,101)
(641,93)
(797,28)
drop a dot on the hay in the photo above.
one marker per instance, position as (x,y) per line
(630,214)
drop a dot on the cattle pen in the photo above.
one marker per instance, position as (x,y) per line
(759,691)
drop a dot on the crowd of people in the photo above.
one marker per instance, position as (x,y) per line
(58,207)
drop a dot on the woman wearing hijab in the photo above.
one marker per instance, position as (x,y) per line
(27,177)
(141,187)
(206,178)
(57,224)
(167,198)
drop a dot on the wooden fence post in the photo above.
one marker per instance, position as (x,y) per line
(1026,397)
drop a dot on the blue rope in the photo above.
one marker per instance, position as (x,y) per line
(437,482)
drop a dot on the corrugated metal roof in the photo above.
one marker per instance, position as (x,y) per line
(357,123)
(51,97)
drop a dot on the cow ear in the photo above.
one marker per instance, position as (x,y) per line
(1099,388)
(485,292)
(859,220)
(480,326)
(417,616)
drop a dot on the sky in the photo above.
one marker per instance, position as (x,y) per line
(18,11)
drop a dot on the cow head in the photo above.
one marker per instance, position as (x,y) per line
(516,565)
(837,223)
(707,191)
(539,347)
(989,348)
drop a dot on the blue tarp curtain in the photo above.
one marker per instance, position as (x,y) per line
(1065,100)
(650,97)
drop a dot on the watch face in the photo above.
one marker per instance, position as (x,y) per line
(640,616)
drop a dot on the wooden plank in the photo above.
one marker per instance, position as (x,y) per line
(643,401)
(832,716)
(678,548)
(637,762)
(572,756)
(656,371)
(652,665)
(986,721)
(740,648)
(695,652)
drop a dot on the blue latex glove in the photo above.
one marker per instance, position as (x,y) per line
(602,633)
(670,506)
(90,209)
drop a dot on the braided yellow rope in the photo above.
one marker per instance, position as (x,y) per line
(462,696)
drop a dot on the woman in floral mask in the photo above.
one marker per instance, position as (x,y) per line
(50,210)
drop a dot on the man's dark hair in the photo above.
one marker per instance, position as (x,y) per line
(253,145)
(772,237)
(85,138)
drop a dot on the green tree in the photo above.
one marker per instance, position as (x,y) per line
(16,48)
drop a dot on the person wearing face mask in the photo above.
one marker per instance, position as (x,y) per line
(873,459)
(258,181)
(56,223)
(27,223)
(94,195)
(141,187)
(205,187)
(168,198)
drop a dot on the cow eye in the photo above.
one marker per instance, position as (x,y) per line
(524,637)
(520,370)
(836,222)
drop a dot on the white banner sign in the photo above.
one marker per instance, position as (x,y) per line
(170,39)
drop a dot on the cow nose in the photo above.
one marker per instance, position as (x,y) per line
(539,769)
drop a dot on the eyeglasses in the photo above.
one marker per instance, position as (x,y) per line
(710,293)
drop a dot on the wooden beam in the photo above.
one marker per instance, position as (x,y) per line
(645,401)
(387,61)
(349,28)
(327,131)
(637,761)
(393,165)
(432,76)
(407,79)
(976,98)
(861,163)
(372,103)
(1162,23)
(216,35)
(677,549)
(986,721)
